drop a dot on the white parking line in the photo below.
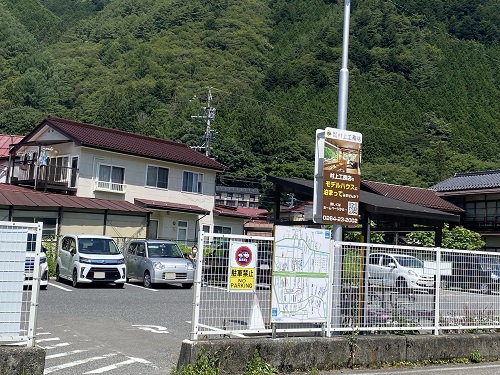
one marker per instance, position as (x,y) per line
(76,363)
(65,354)
(56,346)
(117,365)
(61,287)
(51,339)
(139,286)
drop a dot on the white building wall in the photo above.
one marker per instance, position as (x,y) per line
(135,179)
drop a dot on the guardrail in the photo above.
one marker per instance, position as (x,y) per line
(373,289)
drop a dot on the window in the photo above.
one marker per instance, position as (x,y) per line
(222,229)
(157,177)
(57,168)
(49,224)
(240,196)
(229,195)
(252,205)
(242,204)
(206,228)
(182,228)
(192,182)
(230,203)
(111,178)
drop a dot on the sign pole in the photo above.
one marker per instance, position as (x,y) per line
(341,124)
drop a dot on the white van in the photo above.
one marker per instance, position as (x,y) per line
(89,258)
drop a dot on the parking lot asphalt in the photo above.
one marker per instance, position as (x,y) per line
(100,329)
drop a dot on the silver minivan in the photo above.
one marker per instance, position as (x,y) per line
(155,262)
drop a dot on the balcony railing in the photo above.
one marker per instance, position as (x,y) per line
(45,177)
(113,187)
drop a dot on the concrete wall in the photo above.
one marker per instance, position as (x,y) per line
(21,361)
(304,354)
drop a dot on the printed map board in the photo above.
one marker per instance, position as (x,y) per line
(300,275)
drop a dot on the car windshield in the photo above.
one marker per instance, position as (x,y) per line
(410,262)
(101,246)
(164,250)
(490,264)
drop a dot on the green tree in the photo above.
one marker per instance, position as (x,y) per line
(456,238)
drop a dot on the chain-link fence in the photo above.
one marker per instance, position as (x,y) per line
(21,271)
(303,285)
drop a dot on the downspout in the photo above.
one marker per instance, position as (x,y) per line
(105,222)
(148,221)
(11,210)
(196,225)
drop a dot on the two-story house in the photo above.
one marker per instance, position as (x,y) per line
(173,181)
(237,196)
(478,194)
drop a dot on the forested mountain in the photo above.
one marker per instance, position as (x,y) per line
(424,84)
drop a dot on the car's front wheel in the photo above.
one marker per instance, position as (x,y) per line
(74,280)
(401,285)
(146,282)
(58,275)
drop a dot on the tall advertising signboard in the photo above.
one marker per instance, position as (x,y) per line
(337,177)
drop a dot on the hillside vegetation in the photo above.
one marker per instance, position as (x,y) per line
(424,84)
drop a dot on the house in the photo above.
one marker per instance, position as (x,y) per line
(237,196)
(6,141)
(169,179)
(255,220)
(478,194)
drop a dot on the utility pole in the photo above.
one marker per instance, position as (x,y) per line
(209,116)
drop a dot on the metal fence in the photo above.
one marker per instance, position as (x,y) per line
(342,288)
(20,250)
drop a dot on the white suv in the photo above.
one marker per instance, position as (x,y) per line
(87,258)
(404,272)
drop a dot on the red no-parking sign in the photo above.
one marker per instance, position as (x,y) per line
(241,269)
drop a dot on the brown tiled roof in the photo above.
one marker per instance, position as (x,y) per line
(11,195)
(241,212)
(415,195)
(129,143)
(170,206)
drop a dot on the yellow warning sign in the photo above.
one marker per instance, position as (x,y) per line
(241,279)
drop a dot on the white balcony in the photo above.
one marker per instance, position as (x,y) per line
(113,187)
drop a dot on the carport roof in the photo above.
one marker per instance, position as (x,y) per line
(11,195)
(378,206)
(171,206)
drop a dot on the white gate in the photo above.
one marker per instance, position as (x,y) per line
(19,297)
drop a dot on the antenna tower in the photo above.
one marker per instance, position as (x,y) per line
(209,116)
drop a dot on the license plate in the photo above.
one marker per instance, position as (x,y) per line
(99,275)
(169,276)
